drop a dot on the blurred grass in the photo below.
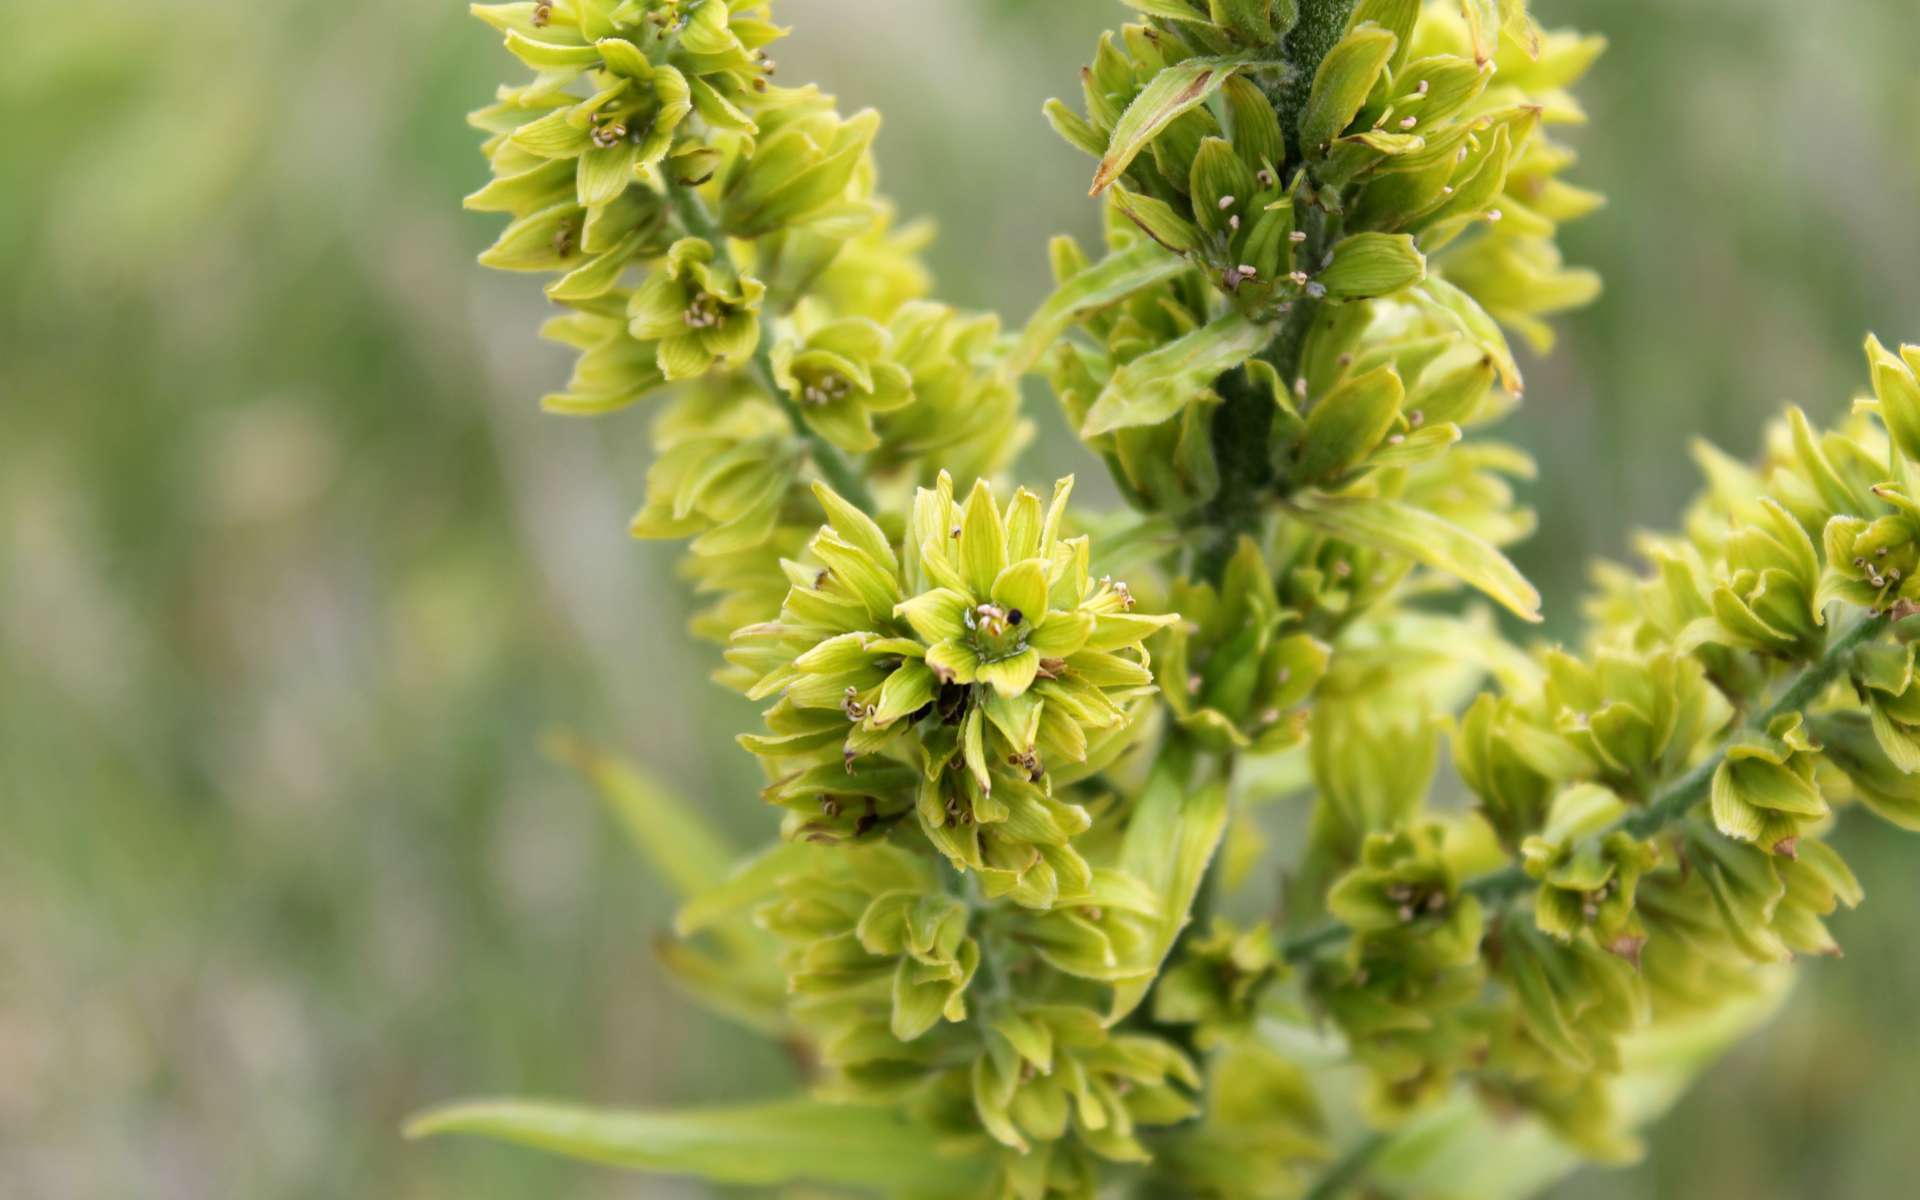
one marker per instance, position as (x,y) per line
(292,574)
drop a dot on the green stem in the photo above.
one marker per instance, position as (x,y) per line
(1321,25)
(1243,426)
(1671,804)
(1346,1172)
(840,474)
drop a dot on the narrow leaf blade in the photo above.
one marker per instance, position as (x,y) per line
(1177,89)
(1426,539)
(1109,281)
(779,1142)
(1157,385)
(685,850)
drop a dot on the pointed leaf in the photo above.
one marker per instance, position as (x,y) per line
(1426,539)
(781,1142)
(1175,90)
(1157,385)
(1107,282)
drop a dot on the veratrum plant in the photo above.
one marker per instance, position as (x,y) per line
(1005,925)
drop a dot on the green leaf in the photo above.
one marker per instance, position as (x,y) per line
(1341,86)
(743,887)
(1107,282)
(1178,89)
(1477,325)
(685,850)
(1414,533)
(779,1142)
(1172,10)
(1898,392)
(1255,129)
(1347,424)
(1157,385)
(1373,264)
(1158,220)
(1175,830)
(1483,27)
(1250,20)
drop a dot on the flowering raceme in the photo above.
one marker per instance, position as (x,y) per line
(1014,925)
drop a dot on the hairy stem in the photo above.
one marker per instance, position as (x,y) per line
(1671,804)
(840,474)
(1322,23)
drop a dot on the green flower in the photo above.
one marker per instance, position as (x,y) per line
(1637,719)
(699,309)
(1401,993)
(724,472)
(1218,980)
(1763,598)
(808,168)
(944,677)
(1048,1069)
(1587,875)
(874,942)
(839,375)
(1242,674)
(1764,791)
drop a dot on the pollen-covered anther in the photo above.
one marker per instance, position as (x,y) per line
(830,388)
(1226,202)
(609,134)
(1297,236)
(1409,122)
(851,705)
(701,313)
(990,619)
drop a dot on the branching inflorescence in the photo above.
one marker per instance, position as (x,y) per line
(1018,794)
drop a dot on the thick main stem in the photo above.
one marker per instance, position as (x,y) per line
(1321,25)
(840,474)
(1672,803)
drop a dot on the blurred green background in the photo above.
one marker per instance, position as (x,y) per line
(293,574)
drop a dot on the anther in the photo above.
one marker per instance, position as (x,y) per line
(1226,202)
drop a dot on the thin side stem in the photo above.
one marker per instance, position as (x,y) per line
(1672,803)
(840,474)
(1347,1170)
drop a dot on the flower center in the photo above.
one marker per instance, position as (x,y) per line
(997,633)
(826,389)
(703,312)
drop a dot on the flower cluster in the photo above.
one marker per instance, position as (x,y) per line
(946,679)
(1012,927)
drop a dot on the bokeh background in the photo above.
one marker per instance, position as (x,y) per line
(293,575)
